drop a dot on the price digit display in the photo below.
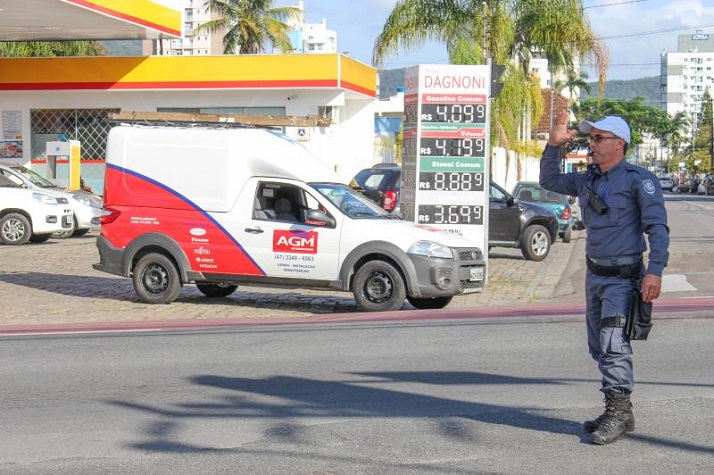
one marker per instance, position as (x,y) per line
(451,181)
(453,113)
(450,214)
(452,147)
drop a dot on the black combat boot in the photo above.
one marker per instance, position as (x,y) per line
(615,421)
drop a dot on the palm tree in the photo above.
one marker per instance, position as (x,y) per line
(250,24)
(572,82)
(505,31)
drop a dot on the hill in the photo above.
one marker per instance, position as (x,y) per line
(649,87)
(123,47)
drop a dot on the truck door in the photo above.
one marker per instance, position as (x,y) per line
(275,231)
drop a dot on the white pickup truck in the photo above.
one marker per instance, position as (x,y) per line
(28,215)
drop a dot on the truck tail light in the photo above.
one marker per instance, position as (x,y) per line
(390,200)
(109,215)
(567,213)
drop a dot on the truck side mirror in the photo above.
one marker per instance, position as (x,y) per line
(316,217)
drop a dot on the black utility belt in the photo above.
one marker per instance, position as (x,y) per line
(624,267)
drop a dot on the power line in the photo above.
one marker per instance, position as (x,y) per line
(614,4)
(666,30)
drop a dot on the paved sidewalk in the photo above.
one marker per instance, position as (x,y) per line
(54,282)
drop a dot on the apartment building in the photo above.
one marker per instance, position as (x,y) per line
(194,13)
(687,73)
(304,37)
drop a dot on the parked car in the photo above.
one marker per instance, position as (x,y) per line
(689,185)
(666,182)
(28,215)
(532,192)
(86,206)
(512,223)
(381,184)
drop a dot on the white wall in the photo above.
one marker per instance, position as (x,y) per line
(505,172)
(345,146)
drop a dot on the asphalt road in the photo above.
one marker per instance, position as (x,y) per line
(437,397)
(299,382)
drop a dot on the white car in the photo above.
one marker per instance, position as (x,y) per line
(86,207)
(666,183)
(29,215)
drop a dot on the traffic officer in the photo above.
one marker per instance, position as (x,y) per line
(620,204)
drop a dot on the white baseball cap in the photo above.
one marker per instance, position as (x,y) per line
(610,123)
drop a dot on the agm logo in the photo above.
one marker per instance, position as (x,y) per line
(297,242)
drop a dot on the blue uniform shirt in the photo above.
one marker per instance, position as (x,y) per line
(635,207)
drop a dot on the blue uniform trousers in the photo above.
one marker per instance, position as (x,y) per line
(609,346)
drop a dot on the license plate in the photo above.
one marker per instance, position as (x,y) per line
(476,273)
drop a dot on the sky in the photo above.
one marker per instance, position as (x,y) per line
(635,32)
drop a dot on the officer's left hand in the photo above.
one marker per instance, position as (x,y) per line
(651,287)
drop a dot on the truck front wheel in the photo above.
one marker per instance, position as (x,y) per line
(379,287)
(156,279)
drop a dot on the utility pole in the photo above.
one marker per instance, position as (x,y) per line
(484,43)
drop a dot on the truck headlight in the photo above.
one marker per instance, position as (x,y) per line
(430,249)
(44,199)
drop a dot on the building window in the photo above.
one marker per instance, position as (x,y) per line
(89,126)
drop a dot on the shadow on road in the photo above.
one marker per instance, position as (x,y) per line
(297,398)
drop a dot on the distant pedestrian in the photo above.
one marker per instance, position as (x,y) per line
(620,204)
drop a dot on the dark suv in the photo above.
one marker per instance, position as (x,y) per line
(511,223)
(381,184)
(519,224)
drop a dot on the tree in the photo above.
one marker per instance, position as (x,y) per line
(507,32)
(250,24)
(27,49)
(573,81)
(702,147)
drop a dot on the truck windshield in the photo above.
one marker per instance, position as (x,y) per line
(351,203)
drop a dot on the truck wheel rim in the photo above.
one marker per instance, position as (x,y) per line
(155,279)
(378,287)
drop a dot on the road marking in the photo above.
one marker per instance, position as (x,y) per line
(676,283)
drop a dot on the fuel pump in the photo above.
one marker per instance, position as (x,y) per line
(63,163)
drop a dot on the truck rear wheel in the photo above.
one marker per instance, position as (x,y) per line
(216,290)
(536,243)
(156,279)
(429,303)
(379,287)
(15,229)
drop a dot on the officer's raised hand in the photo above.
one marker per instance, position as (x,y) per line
(559,133)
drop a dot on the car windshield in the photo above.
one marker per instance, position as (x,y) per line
(7,183)
(537,194)
(351,203)
(36,179)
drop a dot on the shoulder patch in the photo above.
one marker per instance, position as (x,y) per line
(648,186)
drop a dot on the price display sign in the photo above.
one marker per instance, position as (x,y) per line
(446,148)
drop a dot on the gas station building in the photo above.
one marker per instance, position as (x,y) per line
(56,99)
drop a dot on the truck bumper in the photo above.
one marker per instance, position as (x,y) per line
(448,277)
(110,258)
